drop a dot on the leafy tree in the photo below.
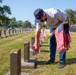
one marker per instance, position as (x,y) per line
(1,1)
(71,15)
(4,20)
(19,23)
(13,22)
(43,26)
(4,10)
(27,24)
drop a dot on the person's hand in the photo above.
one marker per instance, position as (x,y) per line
(50,35)
(36,46)
(36,49)
(65,22)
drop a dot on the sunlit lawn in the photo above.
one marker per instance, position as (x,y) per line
(10,43)
(7,44)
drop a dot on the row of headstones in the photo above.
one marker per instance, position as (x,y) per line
(11,32)
(17,63)
(73,28)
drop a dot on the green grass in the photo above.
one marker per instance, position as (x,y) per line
(10,43)
(13,42)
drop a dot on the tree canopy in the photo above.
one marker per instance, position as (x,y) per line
(71,15)
(6,21)
(4,10)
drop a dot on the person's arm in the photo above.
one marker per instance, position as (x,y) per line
(37,36)
(51,34)
(65,22)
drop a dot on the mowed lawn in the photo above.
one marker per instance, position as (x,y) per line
(14,42)
(10,43)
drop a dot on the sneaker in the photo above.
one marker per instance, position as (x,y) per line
(61,65)
(49,61)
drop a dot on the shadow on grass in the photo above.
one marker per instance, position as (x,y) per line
(68,61)
(43,62)
(45,45)
(71,61)
(45,42)
(45,50)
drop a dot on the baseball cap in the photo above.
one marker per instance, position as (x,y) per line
(38,13)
